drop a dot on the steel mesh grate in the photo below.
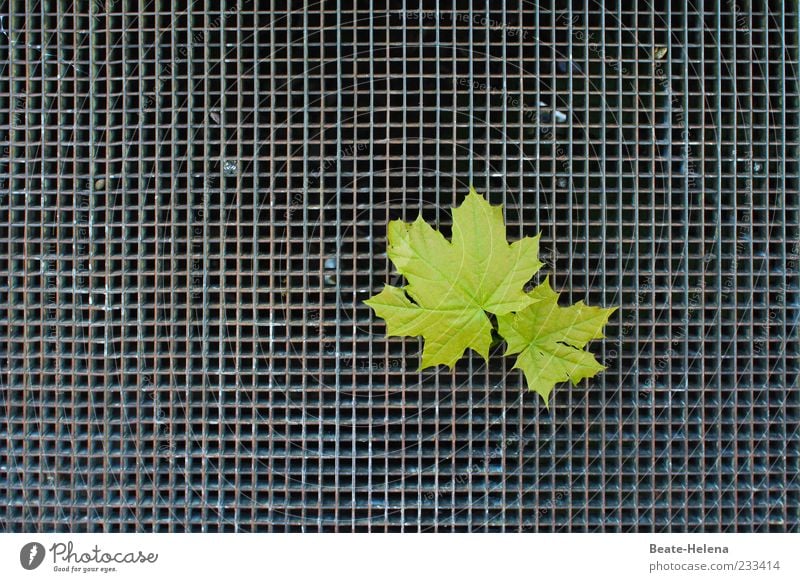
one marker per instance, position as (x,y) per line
(193,204)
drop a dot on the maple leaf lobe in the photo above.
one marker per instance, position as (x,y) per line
(550,340)
(453,284)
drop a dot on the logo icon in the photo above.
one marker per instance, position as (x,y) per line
(31,555)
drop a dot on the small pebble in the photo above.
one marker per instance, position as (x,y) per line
(659,53)
(230,168)
(100,184)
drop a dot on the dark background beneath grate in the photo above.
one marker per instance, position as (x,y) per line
(194,206)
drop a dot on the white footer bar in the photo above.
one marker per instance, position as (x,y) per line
(399,557)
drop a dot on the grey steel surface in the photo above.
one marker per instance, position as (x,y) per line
(193,205)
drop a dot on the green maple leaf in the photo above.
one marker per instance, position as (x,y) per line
(550,340)
(453,284)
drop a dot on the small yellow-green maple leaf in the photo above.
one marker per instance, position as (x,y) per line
(550,339)
(453,284)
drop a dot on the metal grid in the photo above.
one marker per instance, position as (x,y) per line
(193,207)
